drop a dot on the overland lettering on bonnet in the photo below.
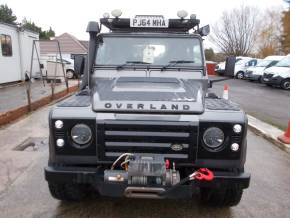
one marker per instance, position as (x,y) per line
(140,106)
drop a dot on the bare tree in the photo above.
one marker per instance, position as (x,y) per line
(269,38)
(235,32)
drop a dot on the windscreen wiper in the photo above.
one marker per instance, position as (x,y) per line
(173,63)
(131,63)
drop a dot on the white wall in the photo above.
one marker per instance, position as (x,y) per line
(26,40)
(13,68)
(10,69)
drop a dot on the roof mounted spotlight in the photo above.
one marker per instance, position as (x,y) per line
(106,15)
(182,14)
(116,13)
(193,16)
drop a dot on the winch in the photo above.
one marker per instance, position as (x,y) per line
(151,170)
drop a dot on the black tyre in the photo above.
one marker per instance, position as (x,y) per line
(285,84)
(67,192)
(221,197)
(240,75)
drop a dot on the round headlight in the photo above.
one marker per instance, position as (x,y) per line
(213,137)
(81,134)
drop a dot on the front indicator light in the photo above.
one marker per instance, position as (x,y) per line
(60,143)
(235,147)
(237,128)
(58,124)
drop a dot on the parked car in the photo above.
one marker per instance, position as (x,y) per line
(242,65)
(69,68)
(278,75)
(220,68)
(255,73)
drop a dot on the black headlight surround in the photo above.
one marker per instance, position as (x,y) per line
(70,148)
(230,137)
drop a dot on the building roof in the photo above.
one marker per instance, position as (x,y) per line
(68,44)
(85,43)
(18,28)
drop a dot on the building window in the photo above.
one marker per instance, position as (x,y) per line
(6,45)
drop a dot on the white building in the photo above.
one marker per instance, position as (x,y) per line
(15,53)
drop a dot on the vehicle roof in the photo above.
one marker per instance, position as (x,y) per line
(152,34)
(274,57)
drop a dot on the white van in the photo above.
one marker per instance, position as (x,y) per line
(278,75)
(255,73)
(242,65)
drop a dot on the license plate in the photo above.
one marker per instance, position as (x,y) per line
(265,79)
(149,22)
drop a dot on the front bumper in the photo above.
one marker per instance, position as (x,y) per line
(95,177)
(253,77)
(276,81)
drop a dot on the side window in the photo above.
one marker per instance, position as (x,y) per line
(252,63)
(6,45)
(272,63)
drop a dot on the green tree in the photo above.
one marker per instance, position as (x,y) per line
(30,26)
(42,34)
(6,15)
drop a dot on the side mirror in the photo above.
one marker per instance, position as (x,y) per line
(230,66)
(79,64)
(204,31)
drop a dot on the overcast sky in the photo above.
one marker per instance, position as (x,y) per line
(72,16)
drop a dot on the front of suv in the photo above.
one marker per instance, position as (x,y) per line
(145,105)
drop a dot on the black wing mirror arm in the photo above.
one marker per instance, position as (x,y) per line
(211,82)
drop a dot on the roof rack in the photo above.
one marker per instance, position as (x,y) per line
(174,25)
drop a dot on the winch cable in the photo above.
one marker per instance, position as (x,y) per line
(203,174)
(119,158)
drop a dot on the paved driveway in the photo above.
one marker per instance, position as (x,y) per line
(269,104)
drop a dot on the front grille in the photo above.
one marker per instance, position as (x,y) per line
(146,137)
(268,75)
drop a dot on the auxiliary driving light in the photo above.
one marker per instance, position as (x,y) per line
(193,16)
(60,143)
(235,147)
(106,15)
(116,13)
(58,124)
(182,14)
(237,128)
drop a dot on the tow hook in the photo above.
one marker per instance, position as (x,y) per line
(203,174)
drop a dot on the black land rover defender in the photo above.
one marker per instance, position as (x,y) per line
(143,124)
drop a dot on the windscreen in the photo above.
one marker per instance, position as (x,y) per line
(285,62)
(157,51)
